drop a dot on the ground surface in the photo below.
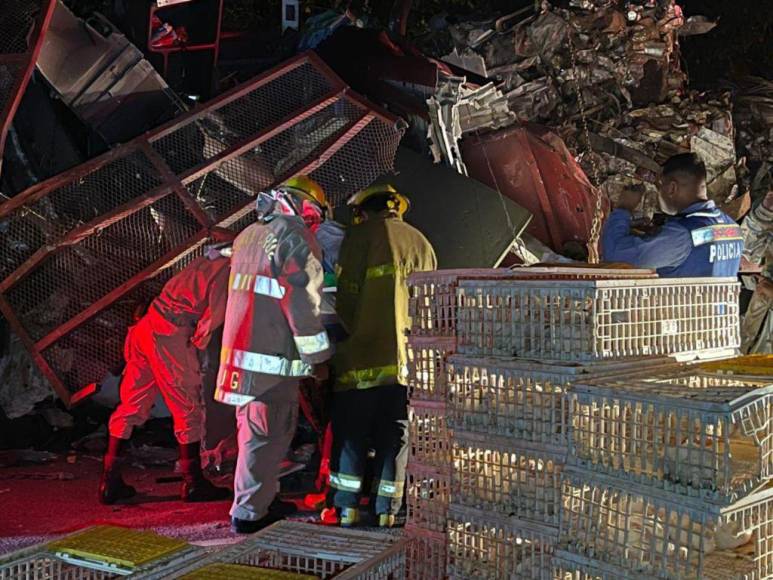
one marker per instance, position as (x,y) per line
(33,509)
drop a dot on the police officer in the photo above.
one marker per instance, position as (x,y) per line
(699,240)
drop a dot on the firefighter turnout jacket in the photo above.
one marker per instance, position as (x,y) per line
(701,241)
(273,330)
(377,256)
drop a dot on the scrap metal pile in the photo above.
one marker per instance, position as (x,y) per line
(606,75)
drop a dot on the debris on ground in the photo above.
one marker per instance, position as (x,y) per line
(46,476)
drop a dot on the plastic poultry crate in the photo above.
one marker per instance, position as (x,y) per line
(314,550)
(241,572)
(427,553)
(99,552)
(428,434)
(434,300)
(651,533)
(701,435)
(491,546)
(520,398)
(507,477)
(429,494)
(589,320)
(426,367)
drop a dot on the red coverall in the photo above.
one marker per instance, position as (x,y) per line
(161,355)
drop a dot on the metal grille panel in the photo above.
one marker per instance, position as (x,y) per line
(83,249)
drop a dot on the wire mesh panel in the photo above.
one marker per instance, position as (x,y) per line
(79,248)
(23,24)
(520,399)
(654,533)
(484,544)
(429,494)
(427,368)
(700,435)
(319,551)
(587,320)
(427,553)
(507,477)
(428,434)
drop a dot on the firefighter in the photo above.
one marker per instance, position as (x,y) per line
(758,233)
(161,353)
(370,397)
(699,240)
(273,338)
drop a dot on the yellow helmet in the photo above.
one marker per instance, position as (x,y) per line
(398,203)
(306,187)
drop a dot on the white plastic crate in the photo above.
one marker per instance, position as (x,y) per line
(427,369)
(520,398)
(651,533)
(428,434)
(507,477)
(588,320)
(434,301)
(427,553)
(429,494)
(47,561)
(701,435)
(490,546)
(320,551)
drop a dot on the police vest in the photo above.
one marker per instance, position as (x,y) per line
(717,246)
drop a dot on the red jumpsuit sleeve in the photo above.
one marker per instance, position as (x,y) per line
(214,312)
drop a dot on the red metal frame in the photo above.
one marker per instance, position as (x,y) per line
(26,60)
(173,185)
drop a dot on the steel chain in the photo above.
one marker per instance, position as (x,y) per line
(595,231)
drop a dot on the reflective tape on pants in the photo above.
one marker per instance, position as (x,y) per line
(391,488)
(345,482)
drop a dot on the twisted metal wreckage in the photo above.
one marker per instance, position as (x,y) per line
(82,250)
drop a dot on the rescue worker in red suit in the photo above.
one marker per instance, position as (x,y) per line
(274,336)
(161,353)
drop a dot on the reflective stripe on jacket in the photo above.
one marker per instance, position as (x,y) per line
(273,327)
(377,257)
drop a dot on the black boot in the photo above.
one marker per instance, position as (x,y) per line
(195,486)
(112,487)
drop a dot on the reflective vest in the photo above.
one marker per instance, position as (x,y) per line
(717,245)
(376,259)
(273,328)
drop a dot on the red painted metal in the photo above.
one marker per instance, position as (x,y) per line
(532,166)
(84,247)
(17,62)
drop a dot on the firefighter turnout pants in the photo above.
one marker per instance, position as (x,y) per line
(264,432)
(376,417)
(160,360)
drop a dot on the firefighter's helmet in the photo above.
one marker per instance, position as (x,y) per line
(396,202)
(306,188)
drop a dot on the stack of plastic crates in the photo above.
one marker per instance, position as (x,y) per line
(493,354)
(669,475)
(100,552)
(288,550)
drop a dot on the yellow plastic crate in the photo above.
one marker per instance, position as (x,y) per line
(752,365)
(116,547)
(239,572)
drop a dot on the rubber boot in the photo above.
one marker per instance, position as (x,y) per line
(350,517)
(196,487)
(386,521)
(112,487)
